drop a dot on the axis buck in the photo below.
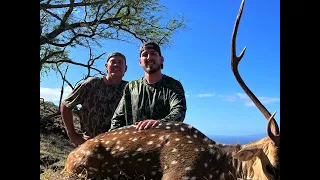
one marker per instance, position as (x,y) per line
(176,150)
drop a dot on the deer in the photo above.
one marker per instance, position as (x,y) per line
(178,150)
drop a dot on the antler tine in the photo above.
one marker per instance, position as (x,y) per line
(234,65)
(275,137)
(234,58)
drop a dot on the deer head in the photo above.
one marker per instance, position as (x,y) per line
(176,150)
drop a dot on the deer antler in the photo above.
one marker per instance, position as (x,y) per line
(275,137)
(234,65)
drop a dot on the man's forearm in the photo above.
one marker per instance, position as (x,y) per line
(67,119)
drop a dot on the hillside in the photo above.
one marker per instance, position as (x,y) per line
(54,145)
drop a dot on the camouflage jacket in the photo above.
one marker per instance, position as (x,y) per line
(98,102)
(164,101)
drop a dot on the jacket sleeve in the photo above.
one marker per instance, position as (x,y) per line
(178,105)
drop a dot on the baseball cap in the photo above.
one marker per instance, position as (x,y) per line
(150,45)
(116,54)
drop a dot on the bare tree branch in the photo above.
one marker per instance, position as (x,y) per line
(51,6)
(63,76)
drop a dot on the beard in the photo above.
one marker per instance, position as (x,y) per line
(150,69)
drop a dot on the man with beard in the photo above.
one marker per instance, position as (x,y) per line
(98,97)
(153,98)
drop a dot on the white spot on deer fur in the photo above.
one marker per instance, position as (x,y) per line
(121,149)
(195,136)
(88,153)
(108,148)
(210,145)
(218,156)
(185,178)
(150,142)
(168,127)
(212,151)
(139,149)
(190,127)
(182,129)
(193,178)
(100,156)
(121,162)
(165,167)
(202,149)
(114,133)
(114,138)
(117,147)
(140,159)
(190,142)
(174,150)
(196,149)
(134,139)
(105,163)
(96,140)
(148,160)
(196,132)
(120,132)
(126,133)
(176,124)
(205,165)
(188,168)
(134,154)
(93,169)
(153,135)
(205,139)
(126,156)
(168,124)
(108,170)
(153,173)
(187,136)
(174,162)
(158,145)
(222,176)
(161,138)
(118,142)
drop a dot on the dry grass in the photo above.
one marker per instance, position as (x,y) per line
(53,153)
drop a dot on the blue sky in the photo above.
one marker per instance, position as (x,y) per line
(200,57)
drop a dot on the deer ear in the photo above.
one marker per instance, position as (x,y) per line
(247,153)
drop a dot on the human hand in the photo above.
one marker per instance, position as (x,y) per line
(146,124)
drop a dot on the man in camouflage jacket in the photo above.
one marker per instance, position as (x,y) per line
(98,97)
(153,98)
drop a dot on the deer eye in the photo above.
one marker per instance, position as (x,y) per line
(271,170)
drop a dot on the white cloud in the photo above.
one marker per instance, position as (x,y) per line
(206,95)
(240,97)
(264,100)
(53,94)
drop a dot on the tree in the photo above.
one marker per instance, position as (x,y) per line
(68,24)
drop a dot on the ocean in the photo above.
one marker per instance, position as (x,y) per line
(224,139)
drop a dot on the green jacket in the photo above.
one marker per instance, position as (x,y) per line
(165,101)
